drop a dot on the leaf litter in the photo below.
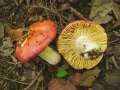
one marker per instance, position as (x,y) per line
(35,75)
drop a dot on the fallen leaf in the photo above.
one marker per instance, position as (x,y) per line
(116,50)
(117,33)
(1,30)
(98,86)
(112,61)
(60,84)
(103,19)
(75,78)
(100,11)
(113,78)
(16,34)
(116,10)
(6,49)
(88,77)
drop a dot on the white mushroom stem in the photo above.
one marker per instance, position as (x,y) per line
(51,56)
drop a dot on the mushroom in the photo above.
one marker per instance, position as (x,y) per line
(40,35)
(82,44)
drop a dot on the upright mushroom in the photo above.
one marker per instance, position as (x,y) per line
(39,37)
(82,44)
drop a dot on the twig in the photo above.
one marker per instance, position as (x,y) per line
(114,41)
(33,81)
(7,62)
(11,80)
(116,10)
(116,25)
(114,62)
(40,79)
(77,13)
(13,59)
(42,88)
(107,65)
(52,11)
(3,86)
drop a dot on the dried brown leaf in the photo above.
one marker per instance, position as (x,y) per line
(16,34)
(1,30)
(100,11)
(116,10)
(75,78)
(89,77)
(60,84)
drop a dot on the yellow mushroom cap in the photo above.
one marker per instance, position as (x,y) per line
(82,44)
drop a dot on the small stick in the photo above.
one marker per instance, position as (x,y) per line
(40,79)
(114,62)
(52,11)
(33,81)
(77,13)
(7,62)
(5,78)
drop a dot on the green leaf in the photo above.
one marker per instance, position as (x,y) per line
(61,72)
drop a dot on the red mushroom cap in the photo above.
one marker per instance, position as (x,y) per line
(46,26)
(41,34)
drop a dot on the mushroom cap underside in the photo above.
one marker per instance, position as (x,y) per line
(79,40)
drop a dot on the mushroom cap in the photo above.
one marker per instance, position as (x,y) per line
(82,37)
(46,26)
(40,35)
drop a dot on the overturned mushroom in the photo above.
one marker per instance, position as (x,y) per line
(82,44)
(39,37)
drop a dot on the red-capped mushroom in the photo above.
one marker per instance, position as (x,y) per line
(40,35)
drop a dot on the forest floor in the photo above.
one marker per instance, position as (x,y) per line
(39,75)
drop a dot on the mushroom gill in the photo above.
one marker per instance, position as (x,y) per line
(82,44)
